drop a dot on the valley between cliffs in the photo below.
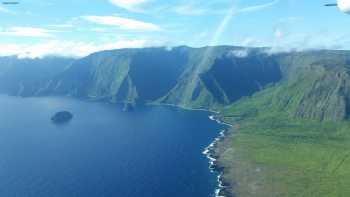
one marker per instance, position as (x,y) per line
(290,111)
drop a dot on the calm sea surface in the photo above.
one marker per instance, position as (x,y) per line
(103,152)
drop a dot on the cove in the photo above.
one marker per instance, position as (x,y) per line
(103,151)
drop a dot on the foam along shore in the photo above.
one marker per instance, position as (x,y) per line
(184,107)
(209,152)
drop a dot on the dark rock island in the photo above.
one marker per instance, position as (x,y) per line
(62,117)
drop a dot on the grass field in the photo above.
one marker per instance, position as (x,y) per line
(274,155)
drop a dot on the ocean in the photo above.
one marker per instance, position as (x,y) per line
(103,152)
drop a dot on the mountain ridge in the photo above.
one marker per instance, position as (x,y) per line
(291,110)
(128,75)
(208,77)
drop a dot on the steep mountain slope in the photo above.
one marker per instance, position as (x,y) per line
(291,110)
(24,77)
(189,77)
(128,75)
(239,77)
(316,85)
(216,76)
(312,85)
(292,138)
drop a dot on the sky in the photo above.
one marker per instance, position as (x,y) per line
(36,28)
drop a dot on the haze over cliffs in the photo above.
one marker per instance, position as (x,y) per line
(312,84)
(25,77)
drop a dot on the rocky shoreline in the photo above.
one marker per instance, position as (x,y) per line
(224,188)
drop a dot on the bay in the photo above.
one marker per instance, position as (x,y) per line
(103,151)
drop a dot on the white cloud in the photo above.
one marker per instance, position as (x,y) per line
(123,23)
(308,41)
(61,25)
(218,7)
(239,53)
(6,11)
(66,48)
(297,41)
(250,42)
(279,34)
(131,5)
(99,30)
(189,9)
(73,22)
(27,32)
(201,7)
(256,8)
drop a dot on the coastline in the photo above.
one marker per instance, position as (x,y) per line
(211,153)
(183,107)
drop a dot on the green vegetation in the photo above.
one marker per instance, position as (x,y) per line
(271,154)
(293,138)
(183,76)
(291,110)
(214,77)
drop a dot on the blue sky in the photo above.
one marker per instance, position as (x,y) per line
(35,28)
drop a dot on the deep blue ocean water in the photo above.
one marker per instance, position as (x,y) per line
(103,152)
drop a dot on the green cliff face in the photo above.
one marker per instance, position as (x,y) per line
(188,77)
(291,110)
(314,85)
(292,138)
(128,75)
(311,85)
(216,77)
